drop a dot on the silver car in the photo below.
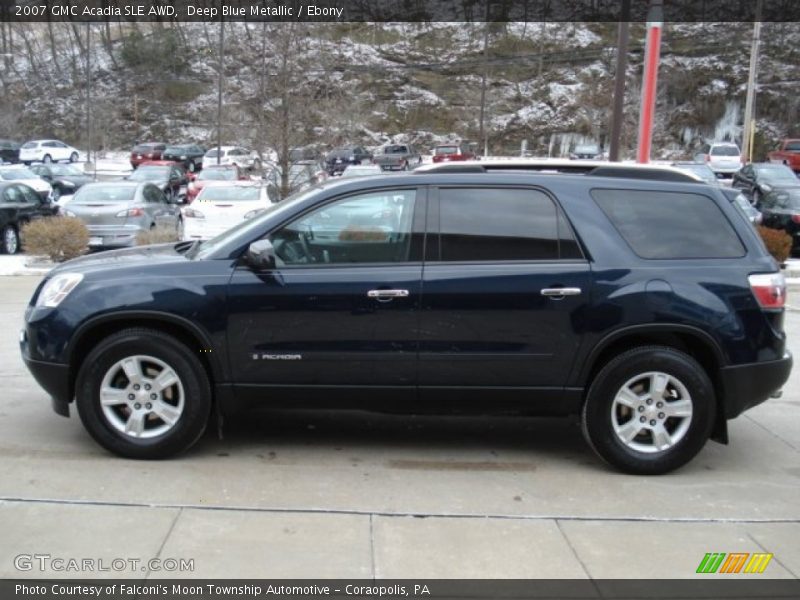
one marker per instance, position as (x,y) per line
(724,158)
(115,212)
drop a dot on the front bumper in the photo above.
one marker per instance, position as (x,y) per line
(53,377)
(746,386)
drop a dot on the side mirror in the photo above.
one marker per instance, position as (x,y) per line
(260,255)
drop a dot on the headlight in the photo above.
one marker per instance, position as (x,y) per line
(58,288)
(766,187)
(193,213)
(183,158)
(67,184)
(253,213)
(67,213)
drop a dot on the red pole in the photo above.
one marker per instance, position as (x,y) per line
(650,79)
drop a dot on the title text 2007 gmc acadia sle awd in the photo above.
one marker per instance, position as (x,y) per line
(649,308)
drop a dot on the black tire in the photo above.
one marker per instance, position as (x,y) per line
(9,240)
(757,198)
(185,363)
(47,159)
(597,421)
(56,193)
(73,158)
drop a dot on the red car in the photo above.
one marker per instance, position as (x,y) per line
(214,173)
(448,152)
(146,152)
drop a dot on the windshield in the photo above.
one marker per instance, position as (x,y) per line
(213,153)
(724,151)
(209,174)
(251,225)
(17,173)
(145,148)
(65,170)
(230,193)
(30,145)
(149,174)
(446,150)
(176,150)
(792,146)
(90,194)
(776,174)
(395,150)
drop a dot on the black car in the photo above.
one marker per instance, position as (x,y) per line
(19,204)
(9,151)
(339,158)
(171,179)
(189,155)
(758,179)
(781,210)
(65,178)
(439,292)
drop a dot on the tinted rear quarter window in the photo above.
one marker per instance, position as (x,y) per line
(670,225)
(500,224)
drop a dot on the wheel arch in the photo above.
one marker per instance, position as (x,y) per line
(693,341)
(94,330)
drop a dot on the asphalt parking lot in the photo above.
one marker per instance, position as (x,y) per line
(359,496)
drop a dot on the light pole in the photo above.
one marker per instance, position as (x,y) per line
(219,90)
(749,130)
(619,80)
(655,18)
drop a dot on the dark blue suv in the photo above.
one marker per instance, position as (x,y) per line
(649,308)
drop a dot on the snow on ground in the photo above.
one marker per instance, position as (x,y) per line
(17,264)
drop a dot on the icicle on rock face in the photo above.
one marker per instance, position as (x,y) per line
(728,128)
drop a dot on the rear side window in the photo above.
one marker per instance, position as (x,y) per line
(494,224)
(668,225)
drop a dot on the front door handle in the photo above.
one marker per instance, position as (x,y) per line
(561,292)
(387,294)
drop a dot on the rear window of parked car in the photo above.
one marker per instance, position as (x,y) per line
(670,225)
(499,224)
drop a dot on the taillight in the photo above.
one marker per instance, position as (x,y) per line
(131,212)
(796,218)
(769,289)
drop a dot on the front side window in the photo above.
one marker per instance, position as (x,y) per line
(368,228)
(496,224)
(670,225)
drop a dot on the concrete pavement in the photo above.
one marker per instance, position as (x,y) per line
(355,495)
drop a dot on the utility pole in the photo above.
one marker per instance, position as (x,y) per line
(219,90)
(749,128)
(655,22)
(482,135)
(89,93)
(623,36)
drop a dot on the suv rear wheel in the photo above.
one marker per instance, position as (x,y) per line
(649,410)
(143,394)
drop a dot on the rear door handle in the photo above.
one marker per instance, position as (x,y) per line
(387,294)
(561,292)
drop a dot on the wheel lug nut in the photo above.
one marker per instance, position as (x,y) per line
(641,409)
(653,422)
(131,396)
(153,396)
(642,419)
(660,415)
(148,406)
(137,406)
(649,400)
(136,386)
(147,386)
(660,404)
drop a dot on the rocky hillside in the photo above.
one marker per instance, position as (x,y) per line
(292,85)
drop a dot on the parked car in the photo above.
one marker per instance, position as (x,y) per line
(214,173)
(220,206)
(167,175)
(788,153)
(581,295)
(757,179)
(115,212)
(397,157)
(453,152)
(724,158)
(340,158)
(701,169)
(25,175)
(64,179)
(585,151)
(781,210)
(188,155)
(9,151)
(361,170)
(232,155)
(740,201)
(19,204)
(146,152)
(47,151)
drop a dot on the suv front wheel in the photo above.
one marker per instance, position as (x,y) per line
(649,410)
(143,394)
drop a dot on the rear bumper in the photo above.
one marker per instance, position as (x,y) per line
(746,386)
(102,236)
